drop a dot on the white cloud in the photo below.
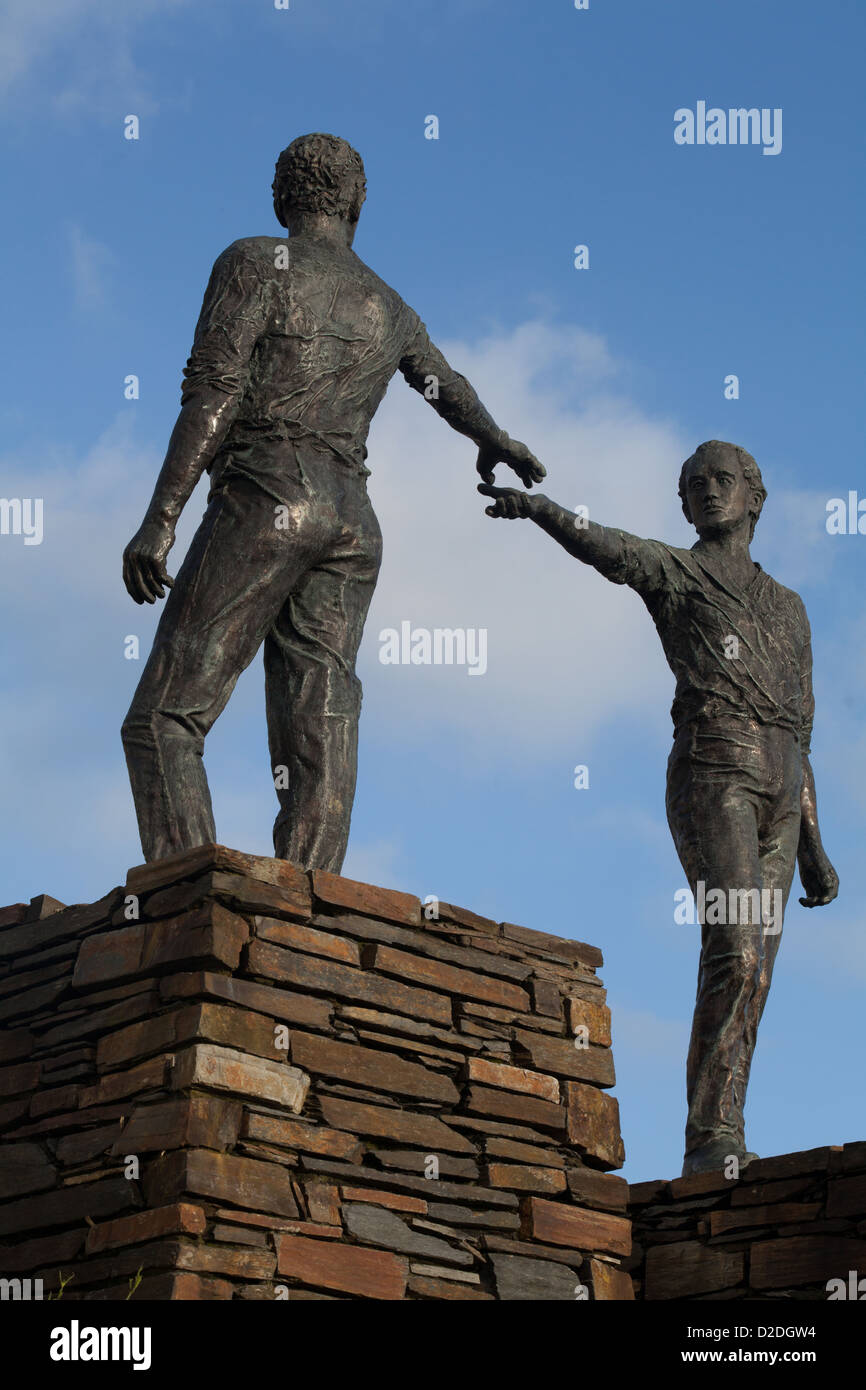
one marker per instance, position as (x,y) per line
(791,537)
(566,650)
(66,683)
(92,37)
(91,263)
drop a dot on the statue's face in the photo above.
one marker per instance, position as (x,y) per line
(718,494)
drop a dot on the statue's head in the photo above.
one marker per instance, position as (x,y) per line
(319,174)
(720,487)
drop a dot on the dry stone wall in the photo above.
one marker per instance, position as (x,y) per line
(791,1227)
(231,1079)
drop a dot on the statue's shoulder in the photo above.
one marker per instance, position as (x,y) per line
(683,553)
(257,250)
(376,282)
(788,598)
(252,248)
(676,558)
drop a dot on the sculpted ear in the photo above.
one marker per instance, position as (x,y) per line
(757,504)
(357,203)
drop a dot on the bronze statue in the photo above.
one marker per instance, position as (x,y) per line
(740,791)
(295,345)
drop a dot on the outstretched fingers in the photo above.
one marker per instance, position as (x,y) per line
(508,502)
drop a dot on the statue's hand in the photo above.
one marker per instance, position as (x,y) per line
(509,502)
(819,879)
(516,455)
(144,572)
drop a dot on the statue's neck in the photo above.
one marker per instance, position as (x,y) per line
(318,224)
(728,551)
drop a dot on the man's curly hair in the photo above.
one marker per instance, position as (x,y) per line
(751,473)
(319,173)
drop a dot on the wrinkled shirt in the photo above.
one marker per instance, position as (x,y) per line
(697,612)
(307,352)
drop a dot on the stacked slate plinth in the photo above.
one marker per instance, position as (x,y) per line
(233,1079)
(792,1227)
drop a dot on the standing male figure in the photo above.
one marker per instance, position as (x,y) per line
(293,352)
(740,790)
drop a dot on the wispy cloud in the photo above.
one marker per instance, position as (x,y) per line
(792,536)
(91,265)
(566,649)
(94,39)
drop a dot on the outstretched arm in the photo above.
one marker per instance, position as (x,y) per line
(452,397)
(618,555)
(214,379)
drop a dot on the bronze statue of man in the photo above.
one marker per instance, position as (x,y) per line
(740,790)
(295,345)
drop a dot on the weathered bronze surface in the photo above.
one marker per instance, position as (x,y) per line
(740,790)
(295,345)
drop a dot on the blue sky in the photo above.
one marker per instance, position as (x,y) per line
(555,129)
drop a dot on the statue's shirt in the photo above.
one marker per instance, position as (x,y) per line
(306,338)
(734,651)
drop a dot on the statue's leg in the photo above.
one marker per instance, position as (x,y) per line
(314,696)
(733,963)
(713,815)
(779,835)
(736,830)
(232,583)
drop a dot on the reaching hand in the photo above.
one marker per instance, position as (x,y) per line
(509,503)
(516,455)
(819,879)
(144,572)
